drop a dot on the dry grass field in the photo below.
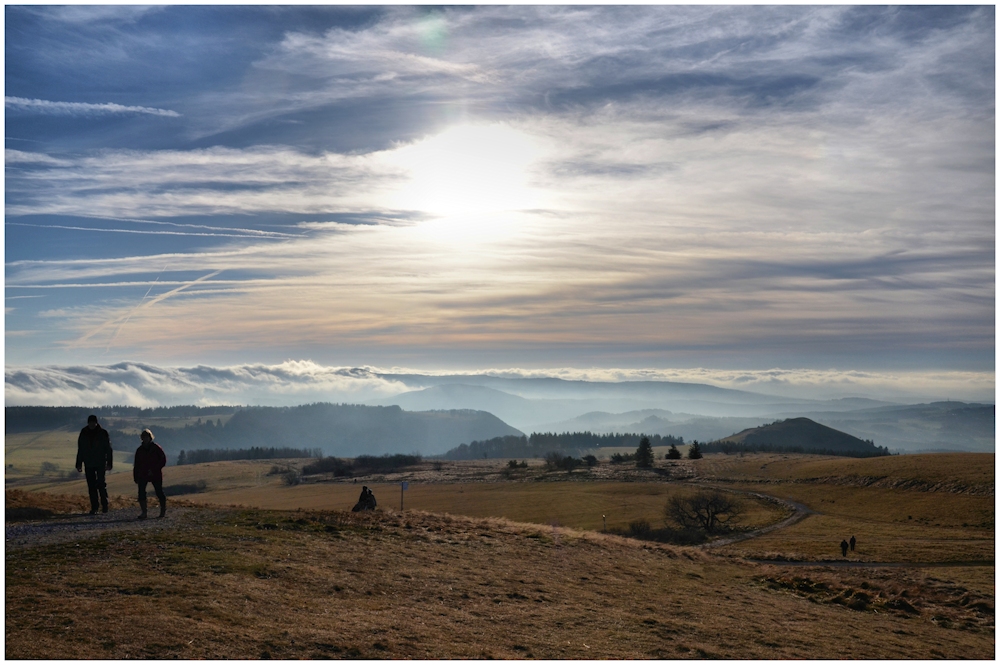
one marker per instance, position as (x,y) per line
(490,563)
(245,583)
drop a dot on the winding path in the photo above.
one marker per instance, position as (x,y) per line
(800,513)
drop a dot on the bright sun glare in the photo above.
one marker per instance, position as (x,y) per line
(469,170)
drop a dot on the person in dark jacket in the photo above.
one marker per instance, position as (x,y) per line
(148,468)
(366,501)
(93,451)
(843,547)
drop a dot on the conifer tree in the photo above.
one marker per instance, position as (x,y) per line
(644,453)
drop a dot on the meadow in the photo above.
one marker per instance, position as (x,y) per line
(486,561)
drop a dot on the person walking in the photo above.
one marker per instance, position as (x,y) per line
(93,451)
(853,543)
(148,468)
(843,547)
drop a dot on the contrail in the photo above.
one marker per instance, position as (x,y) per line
(248,233)
(135,309)
(141,305)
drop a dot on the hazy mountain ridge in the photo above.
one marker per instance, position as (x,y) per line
(695,411)
(937,426)
(343,430)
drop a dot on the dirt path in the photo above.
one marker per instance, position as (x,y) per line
(835,563)
(800,512)
(66,528)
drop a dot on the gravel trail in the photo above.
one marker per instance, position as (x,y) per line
(66,528)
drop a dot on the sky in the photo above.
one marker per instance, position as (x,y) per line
(787,198)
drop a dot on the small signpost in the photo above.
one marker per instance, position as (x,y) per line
(403,486)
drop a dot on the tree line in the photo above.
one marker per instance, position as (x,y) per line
(361,465)
(255,452)
(730,447)
(540,444)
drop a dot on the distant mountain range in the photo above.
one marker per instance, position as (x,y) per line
(694,411)
(441,412)
(532,404)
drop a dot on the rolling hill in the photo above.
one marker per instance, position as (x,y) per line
(798,435)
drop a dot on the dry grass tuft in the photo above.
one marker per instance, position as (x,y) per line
(905,593)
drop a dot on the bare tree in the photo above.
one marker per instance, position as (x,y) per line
(707,509)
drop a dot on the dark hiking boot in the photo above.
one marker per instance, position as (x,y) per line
(93,511)
(104,508)
(163,508)
(142,504)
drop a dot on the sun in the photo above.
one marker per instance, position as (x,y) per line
(469,170)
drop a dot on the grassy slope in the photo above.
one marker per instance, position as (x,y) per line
(954,522)
(440,586)
(420,585)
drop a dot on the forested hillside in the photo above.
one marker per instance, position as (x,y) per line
(796,435)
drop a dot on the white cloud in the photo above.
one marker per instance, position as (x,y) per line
(138,384)
(300,382)
(902,386)
(46,107)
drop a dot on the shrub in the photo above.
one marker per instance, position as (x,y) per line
(334,465)
(639,528)
(556,460)
(673,453)
(184,488)
(694,452)
(590,460)
(618,458)
(292,478)
(365,464)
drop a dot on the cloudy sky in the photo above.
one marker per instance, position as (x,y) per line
(650,191)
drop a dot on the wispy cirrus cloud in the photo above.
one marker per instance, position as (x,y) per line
(795,186)
(47,107)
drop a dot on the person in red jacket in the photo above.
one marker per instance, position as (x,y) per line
(148,468)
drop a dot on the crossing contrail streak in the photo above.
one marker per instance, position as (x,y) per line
(143,305)
(135,309)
